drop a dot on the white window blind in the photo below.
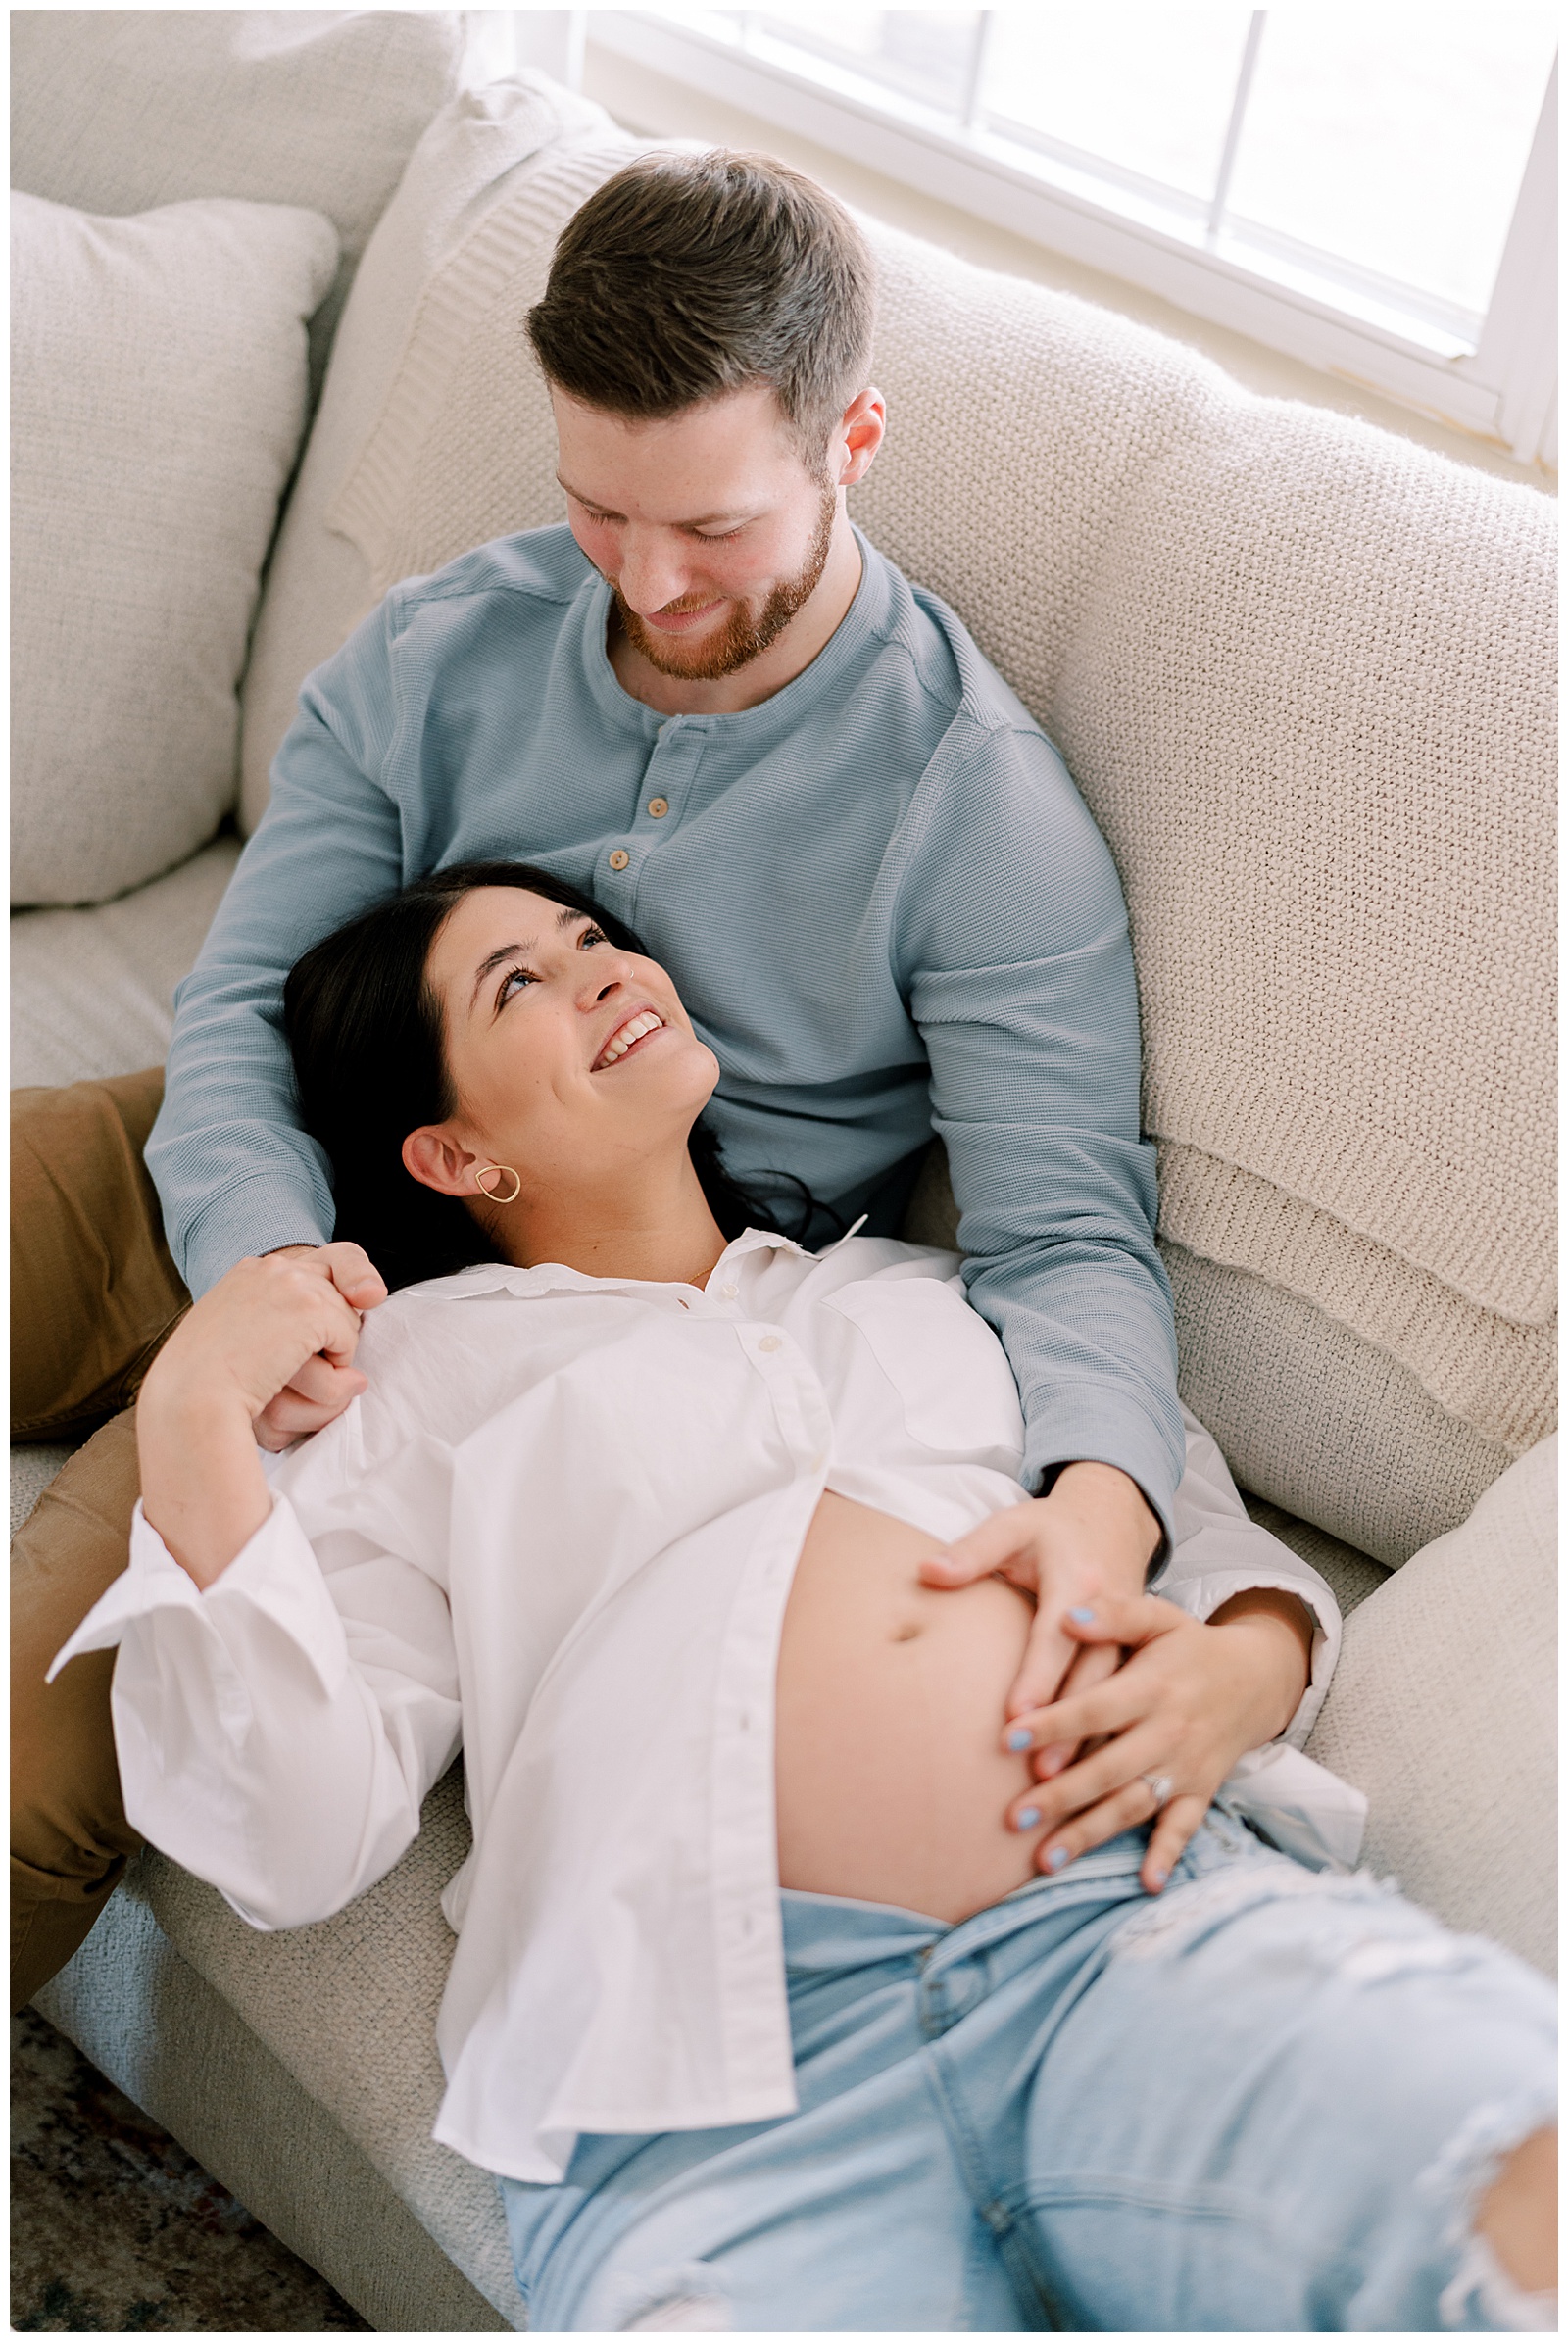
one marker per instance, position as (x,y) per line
(1372,189)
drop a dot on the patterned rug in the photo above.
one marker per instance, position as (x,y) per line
(115,2230)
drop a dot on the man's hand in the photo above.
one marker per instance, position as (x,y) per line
(1189,1699)
(1093,1536)
(325,1384)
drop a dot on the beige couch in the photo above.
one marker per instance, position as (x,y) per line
(1303,672)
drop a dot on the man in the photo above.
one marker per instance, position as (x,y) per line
(712,705)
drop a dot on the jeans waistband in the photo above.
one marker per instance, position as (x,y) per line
(838,1930)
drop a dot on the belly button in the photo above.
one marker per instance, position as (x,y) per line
(909,1631)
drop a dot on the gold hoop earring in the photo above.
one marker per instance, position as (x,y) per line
(483,1173)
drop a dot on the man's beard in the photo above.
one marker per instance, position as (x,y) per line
(743,637)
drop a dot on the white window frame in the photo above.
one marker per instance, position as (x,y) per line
(1502,389)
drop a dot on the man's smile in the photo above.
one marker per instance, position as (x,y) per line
(681,622)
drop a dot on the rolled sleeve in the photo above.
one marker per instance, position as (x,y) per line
(267,1742)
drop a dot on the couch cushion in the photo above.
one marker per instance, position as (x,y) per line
(148,2020)
(1444,1711)
(427,263)
(1490,1372)
(92,991)
(349,2009)
(156,403)
(1301,671)
(118,109)
(1317,1419)
(1308,1415)
(1352,1577)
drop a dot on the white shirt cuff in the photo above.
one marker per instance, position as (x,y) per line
(274,1573)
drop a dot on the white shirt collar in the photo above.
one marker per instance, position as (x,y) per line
(552,1276)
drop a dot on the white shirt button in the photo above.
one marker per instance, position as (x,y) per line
(770,1342)
(727,1293)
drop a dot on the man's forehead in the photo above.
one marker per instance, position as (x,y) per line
(710,463)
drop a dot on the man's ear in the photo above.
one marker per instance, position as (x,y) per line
(434,1157)
(865,421)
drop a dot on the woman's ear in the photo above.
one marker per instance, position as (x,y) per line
(433,1156)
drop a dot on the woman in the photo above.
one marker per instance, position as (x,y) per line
(790,1990)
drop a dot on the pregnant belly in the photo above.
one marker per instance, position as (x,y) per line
(891,1779)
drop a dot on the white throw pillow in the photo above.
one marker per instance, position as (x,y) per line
(120,109)
(157,401)
(1444,1711)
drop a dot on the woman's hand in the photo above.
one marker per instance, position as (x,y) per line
(1189,1699)
(1092,1536)
(203,1488)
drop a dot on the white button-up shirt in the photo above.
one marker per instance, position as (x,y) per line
(560,1527)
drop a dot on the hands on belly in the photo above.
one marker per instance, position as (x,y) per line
(1117,1688)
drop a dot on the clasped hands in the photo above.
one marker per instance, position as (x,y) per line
(1117,1684)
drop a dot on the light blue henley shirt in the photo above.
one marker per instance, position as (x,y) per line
(880,895)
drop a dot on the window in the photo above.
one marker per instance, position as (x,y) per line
(1372,189)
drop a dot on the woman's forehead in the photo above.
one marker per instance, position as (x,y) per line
(487,917)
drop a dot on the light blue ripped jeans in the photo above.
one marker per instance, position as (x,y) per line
(1268,2101)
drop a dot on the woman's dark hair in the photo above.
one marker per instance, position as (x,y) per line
(370,1066)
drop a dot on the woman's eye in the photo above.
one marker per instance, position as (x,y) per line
(514,976)
(590,935)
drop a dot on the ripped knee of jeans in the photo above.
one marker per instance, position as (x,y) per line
(1481,2294)
(685,2298)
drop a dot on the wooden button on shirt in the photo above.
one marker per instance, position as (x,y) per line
(659,806)
(619,859)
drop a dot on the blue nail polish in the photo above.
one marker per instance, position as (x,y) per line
(1020,1736)
(1028,1817)
(1056,1857)
(1082,1617)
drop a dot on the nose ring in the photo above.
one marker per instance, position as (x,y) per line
(484,1172)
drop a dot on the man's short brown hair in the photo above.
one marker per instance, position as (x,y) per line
(688,275)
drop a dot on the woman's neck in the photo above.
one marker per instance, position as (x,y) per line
(657,1230)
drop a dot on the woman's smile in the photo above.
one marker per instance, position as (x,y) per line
(628,1036)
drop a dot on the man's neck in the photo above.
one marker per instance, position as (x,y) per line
(789,655)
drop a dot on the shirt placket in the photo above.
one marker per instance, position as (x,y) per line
(662,799)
